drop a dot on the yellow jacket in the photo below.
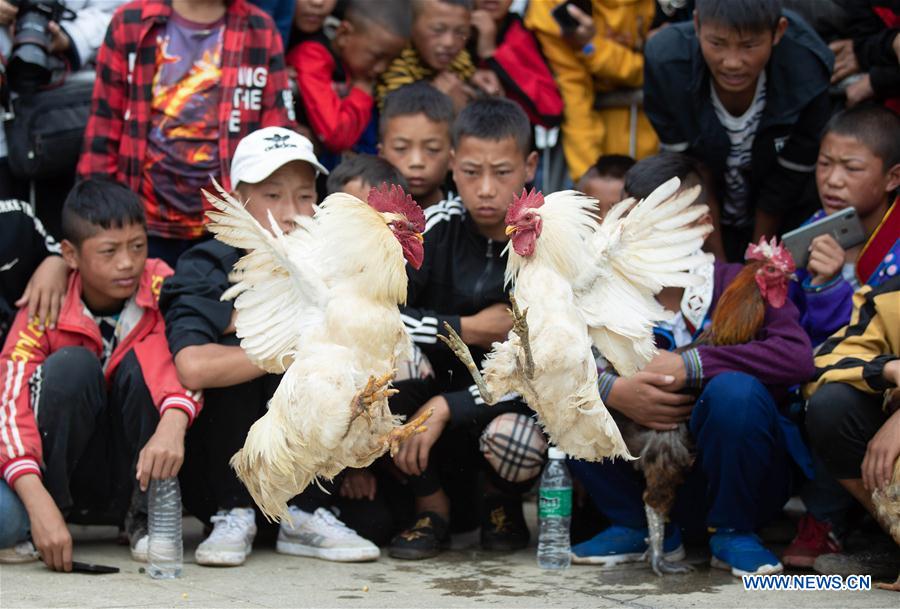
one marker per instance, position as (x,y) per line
(615,63)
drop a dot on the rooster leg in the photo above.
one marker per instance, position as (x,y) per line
(520,327)
(375,391)
(656,527)
(461,350)
(895,587)
(404,432)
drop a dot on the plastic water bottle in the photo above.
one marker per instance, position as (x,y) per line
(166,543)
(555,513)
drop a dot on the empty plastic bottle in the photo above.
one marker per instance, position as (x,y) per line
(166,542)
(555,513)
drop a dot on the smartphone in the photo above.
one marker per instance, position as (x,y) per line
(844,226)
(566,21)
(84,567)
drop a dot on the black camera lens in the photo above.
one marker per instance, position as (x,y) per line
(29,63)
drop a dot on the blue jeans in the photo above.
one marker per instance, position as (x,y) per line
(740,479)
(14,523)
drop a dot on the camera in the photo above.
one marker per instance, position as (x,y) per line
(30,64)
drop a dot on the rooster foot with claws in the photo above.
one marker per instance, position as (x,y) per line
(520,327)
(375,391)
(404,432)
(461,350)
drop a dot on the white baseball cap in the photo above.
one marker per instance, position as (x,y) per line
(259,154)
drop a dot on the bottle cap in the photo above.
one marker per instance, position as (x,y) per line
(555,453)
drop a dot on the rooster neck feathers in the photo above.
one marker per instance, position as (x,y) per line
(568,219)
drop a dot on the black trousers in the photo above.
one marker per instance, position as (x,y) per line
(841,420)
(91,432)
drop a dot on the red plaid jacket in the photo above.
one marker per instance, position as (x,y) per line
(255,94)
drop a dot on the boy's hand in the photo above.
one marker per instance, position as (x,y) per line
(881,454)
(46,290)
(845,63)
(59,40)
(859,91)
(491,324)
(412,456)
(359,484)
(48,527)
(586,30)
(487,81)
(453,86)
(669,364)
(487,33)
(644,399)
(826,259)
(8,12)
(163,454)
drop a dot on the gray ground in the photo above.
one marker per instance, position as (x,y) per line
(459,578)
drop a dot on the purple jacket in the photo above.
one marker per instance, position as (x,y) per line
(823,309)
(780,357)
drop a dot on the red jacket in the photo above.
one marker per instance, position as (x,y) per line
(254,94)
(338,122)
(27,348)
(522,70)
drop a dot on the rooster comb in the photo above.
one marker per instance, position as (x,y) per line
(392,199)
(527,200)
(771,251)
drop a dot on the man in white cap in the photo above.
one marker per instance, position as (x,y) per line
(273,171)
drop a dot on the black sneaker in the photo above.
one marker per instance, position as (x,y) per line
(503,527)
(426,538)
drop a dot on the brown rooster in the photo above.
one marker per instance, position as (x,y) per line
(665,457)
(887,506)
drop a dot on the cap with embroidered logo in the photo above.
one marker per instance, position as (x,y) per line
(261,153)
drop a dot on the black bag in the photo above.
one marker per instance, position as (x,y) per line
(45,133)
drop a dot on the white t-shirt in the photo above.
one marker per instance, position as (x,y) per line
(741,133)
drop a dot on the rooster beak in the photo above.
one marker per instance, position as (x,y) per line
(510,230)
(420,237)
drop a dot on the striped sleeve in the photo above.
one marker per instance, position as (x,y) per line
(857,354)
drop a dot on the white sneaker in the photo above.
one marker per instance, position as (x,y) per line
(322,535)
(23,551)
(231,539)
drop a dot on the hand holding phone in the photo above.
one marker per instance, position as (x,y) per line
(843,226)
(580,29)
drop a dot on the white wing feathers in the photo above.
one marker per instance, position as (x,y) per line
(639,249)
(274,289)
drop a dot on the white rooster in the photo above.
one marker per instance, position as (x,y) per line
(321,306)
(583,284)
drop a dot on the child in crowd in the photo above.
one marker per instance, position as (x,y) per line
(178,84)
(603,54)
(853,417)
(274,170)
(744,89)
(358,174)
(742,473)
(502,44)
(94,395)
(605,180)
(437,53)
(336,77)
(461,282)
(859,167)
(415,138)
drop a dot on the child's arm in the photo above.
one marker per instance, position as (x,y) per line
(100,152)
(783,187)
(827,298)
(337,122)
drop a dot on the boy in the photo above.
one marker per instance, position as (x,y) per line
(461,281)
(358,174)
(742,472)
(744,89)
(605,180)
(604,54)
(336,77)
(853,417)
(437,53)
(858,166)
(415,138)
(503,45)
(274,170)
(178,84)
(96,394)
